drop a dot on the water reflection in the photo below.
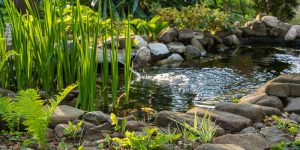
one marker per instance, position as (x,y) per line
(212,78)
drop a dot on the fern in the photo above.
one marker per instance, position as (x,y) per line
(7,113)
(37,116)
(4,58)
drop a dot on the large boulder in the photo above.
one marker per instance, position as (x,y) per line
(96,117)
(63,114)
(185,35)
(176,47)
(193,52)
(270,21)
(168,36)
(259,28)
(174,58)
(260,16)
(158,48)
(294,105)
(281,30)
(251,111)
(142,57)
(219,147)
(196,43)
(287,85)
(247,32)
(139,41)
(249,141)
(169,118)
(293,33)
(262,99)
(228,121)
(231,40)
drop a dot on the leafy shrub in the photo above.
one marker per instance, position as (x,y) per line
(283,9)
(196,17)
(73,130)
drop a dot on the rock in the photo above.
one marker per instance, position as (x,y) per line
(262,99)
(219,147)
(260,16)
(237,24)
(174,58)
(238,32)
(293,33)
(96,117)
(63,114)
(224,33)
(269,111)
(258,125)
(221,48)
(228,121)
(85,125)
(274,135)
(135,125)
(169,118)
(168,36)
(158,48)
(248,130)
(193,52)
(93,135)
(176,47)
(50,133)
(7,93)
(217,39)
(185,35)
(231,40)
(60,130)
(93,144)
(293,106)
(250,141)
(295,117)
(253,112)
(120,40)
(198,35)
(270,21)
(259,28)
(281,30)
(142,57)
(247,32)
(197,44)
(139,41)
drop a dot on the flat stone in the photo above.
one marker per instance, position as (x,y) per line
(169,118)
(176,47)
(60,130)
(193,52)
(271,101)
(248,130)
(249,141)
(231,40)
(158,48)
(228,121)
(260,28)
(219,147)
(139,41)
(293,33)
(63,114)
(135,125)
(270,21)
(85,125)
(185,35)
(196,43)
(293,106)
(247,32)
(174,58)
(274,135)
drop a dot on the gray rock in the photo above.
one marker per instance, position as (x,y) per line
(247,32)
(260,16)
(7,93)
(293,106)
(174,58)
(94,134)
(176,47)
(139,41)
(269,111)
(219,147)
(85,125)
(158,48)
(248,130)
(231,40)
(270,21)
(196,43)
(253,112)
(193,52)
(259,28)
(264,100)
(281,30)
(60,130)
(168,118)
(274,135)
(293,33)
(221,47)
(96,117)
(168,36)
(50,133)
(295,117)
(63,114)
(135,125)
(198,35)
(185,35)
(142,57)
(228,121)
(258,125)
(250,141)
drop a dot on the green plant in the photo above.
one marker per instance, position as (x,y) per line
(295,145)
(37,116)
(202,129)
(235,100)
(73,130)
(286,125)
(7,108)
(146,141)
(281,124)
(115,123)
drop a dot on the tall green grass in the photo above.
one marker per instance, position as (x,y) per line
(49,61)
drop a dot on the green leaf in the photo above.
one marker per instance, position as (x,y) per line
(114,119)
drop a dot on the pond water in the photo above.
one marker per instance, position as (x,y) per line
(214,78)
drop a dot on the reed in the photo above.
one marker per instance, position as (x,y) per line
(127,62)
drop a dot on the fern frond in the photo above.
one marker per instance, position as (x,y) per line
(8,114)
(58,98)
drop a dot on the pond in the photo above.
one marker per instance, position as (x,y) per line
(211,79)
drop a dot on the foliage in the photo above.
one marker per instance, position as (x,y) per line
(115,123)
(198,17)
(286,125)
(31,108)
(7,113)
(283,9)
(73,130)
(235,100)
(152,139)
(295,145)
(202,129)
